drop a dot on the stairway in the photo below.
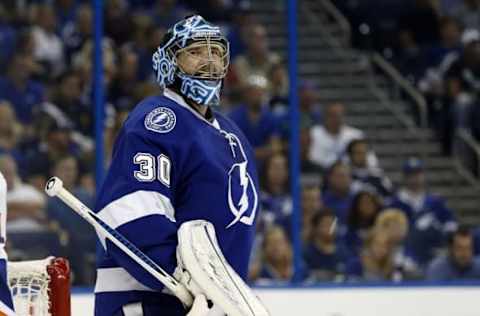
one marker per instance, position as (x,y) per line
(343,74)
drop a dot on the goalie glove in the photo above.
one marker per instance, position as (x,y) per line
(205,271)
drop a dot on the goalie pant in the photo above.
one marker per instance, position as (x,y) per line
(169,166)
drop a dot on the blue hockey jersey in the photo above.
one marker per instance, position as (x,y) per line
(170,165)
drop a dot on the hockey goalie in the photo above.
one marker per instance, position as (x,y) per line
(182,187)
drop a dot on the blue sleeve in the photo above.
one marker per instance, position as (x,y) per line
(6,305)
(437,271)
(354,269)
(137,200)
(274,125)
(444,214)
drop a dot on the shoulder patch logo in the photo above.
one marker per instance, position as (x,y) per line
(160,120)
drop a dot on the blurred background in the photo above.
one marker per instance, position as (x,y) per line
(375,179)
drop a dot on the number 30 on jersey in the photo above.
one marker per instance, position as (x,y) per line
(151,168)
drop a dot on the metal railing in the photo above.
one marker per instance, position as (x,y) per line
(401,88)
(403,85)
(341,21)
(467,155)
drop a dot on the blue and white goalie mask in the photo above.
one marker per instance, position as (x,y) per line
(195,53)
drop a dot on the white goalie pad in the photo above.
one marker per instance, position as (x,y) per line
(201,257)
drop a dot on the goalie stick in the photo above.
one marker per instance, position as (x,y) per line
(54,187)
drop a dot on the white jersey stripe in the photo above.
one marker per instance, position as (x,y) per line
(134,309)
(117,280)
(6,310)
(133,206)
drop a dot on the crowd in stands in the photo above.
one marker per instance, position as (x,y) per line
(435,44)
(356,225)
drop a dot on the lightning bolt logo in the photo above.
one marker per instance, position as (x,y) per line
(240,208)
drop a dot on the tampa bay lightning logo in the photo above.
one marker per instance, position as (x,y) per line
(160,120)
(242,194)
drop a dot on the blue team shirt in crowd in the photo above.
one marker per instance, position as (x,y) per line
(339,204)
(169,166)
(258,133)
(429,225)
(326,265)
(444,269)
(23,101)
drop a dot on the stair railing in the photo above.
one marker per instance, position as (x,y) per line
(467,155)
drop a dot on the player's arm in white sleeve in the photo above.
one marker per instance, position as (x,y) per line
(6,304)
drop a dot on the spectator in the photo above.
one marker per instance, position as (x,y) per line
(461,81)
(278,78)
(27,220)
(256,120)
(26,205)
(307,167)
(218,12)
(112,130)
(311,205)
(48,46)
(77,32)
(7,39)
(145,39)
(308,102)
(450,41)
(118,21)
(410,57)
(310,112)
(125,80)
(468,13)
(83,63)
(361,218)
(81,235)
(465,67)
(19,89)
(277,262)
(258,59)
(242,19)
(422,21)
(68,104)
(56,142)
(325,255)
(275,199)
(430,219)
(370,178)
(168,12)
(339,192)
(65,11)
(459,263)
(330,140)
(376,262)
(395,225)
(10,132)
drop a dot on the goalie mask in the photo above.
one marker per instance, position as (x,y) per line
(195,54)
